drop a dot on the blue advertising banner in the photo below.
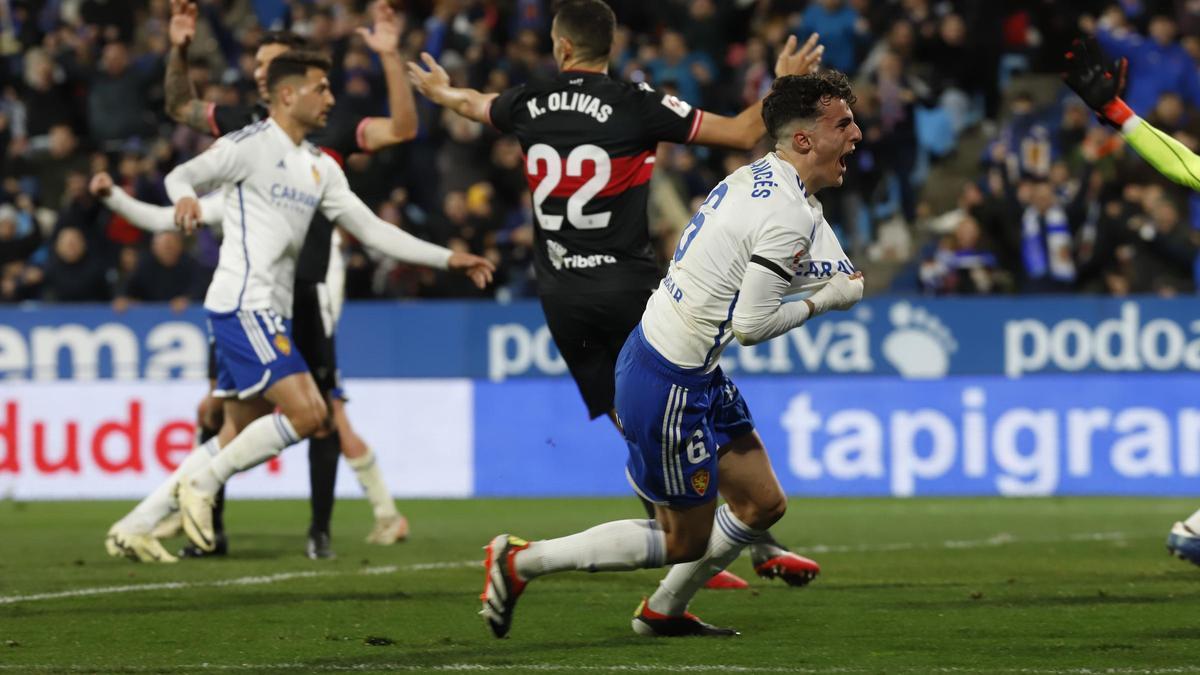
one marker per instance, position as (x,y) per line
(986,435)
(912,338)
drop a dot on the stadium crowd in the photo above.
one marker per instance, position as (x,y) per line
(1057,204)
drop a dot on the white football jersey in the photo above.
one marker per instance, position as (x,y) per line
(272,186)
(760,213)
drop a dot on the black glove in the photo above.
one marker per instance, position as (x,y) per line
(1100,85)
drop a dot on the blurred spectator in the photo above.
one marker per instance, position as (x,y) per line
(841,29)
(1157,65)
(51,163)
(689,73)
(164,274)
(898,92)
(45,98)
(1047,252)
(118,101)
(960,264)
(73,273)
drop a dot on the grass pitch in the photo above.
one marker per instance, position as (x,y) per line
(917,586)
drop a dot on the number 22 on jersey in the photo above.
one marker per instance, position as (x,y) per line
(547,156)
(697,221)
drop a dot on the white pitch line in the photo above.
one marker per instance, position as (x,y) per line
(576,668)
(1001,539)
(258,580)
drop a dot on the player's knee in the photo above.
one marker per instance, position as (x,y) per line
(684,547)
(309,419)
(768,511)
(763,511)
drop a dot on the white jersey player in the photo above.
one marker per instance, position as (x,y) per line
(272,182)
(756,239)
(758,220)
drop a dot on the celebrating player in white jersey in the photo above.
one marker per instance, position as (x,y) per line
(272,183)
(757,238)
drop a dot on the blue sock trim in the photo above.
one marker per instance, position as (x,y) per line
(656,545)
(285,429)
(733,528)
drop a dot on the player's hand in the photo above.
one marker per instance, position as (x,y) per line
(187,214)
(841,292)
(386,26)
(1098,83)
(101,185)
(182,28)
(799,61)
(479,270)
(429,82)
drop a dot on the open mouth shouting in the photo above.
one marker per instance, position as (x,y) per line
(842,160)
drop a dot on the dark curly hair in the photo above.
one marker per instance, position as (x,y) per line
(800,97)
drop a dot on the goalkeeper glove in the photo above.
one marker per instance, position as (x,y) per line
(1099,86)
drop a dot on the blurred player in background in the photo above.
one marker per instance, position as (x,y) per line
(758,237)
(590,144)
(273,183)
(345,134)
(153,218)
(1100,83)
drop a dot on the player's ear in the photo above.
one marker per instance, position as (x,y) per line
(801,142)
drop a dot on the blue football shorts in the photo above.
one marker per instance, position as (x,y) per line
(674,421)
(254,350)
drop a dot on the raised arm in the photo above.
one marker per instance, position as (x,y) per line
(343,207)
(1167,155)
(435,85)
(1100,83)
(182,103)
(745,129)
(384,39)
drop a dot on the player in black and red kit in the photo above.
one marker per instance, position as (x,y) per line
(345,134)
(590,144)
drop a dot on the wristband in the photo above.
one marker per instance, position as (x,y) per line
(1117,111)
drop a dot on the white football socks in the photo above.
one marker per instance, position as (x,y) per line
(261,440)
(161,502)
(616,546)
(370,477)
(729,536)
(1193,523)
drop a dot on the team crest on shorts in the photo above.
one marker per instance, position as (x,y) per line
(700,481)
(283,344)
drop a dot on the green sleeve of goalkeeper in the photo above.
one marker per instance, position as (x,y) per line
(1170,157)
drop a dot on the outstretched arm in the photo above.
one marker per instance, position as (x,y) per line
(384,39)
(146,216)
(1100,83)
(343,207)
(1167,155)
(435,85)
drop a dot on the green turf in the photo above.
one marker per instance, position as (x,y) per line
(981,585)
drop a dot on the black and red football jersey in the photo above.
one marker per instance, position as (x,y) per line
(589,144)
